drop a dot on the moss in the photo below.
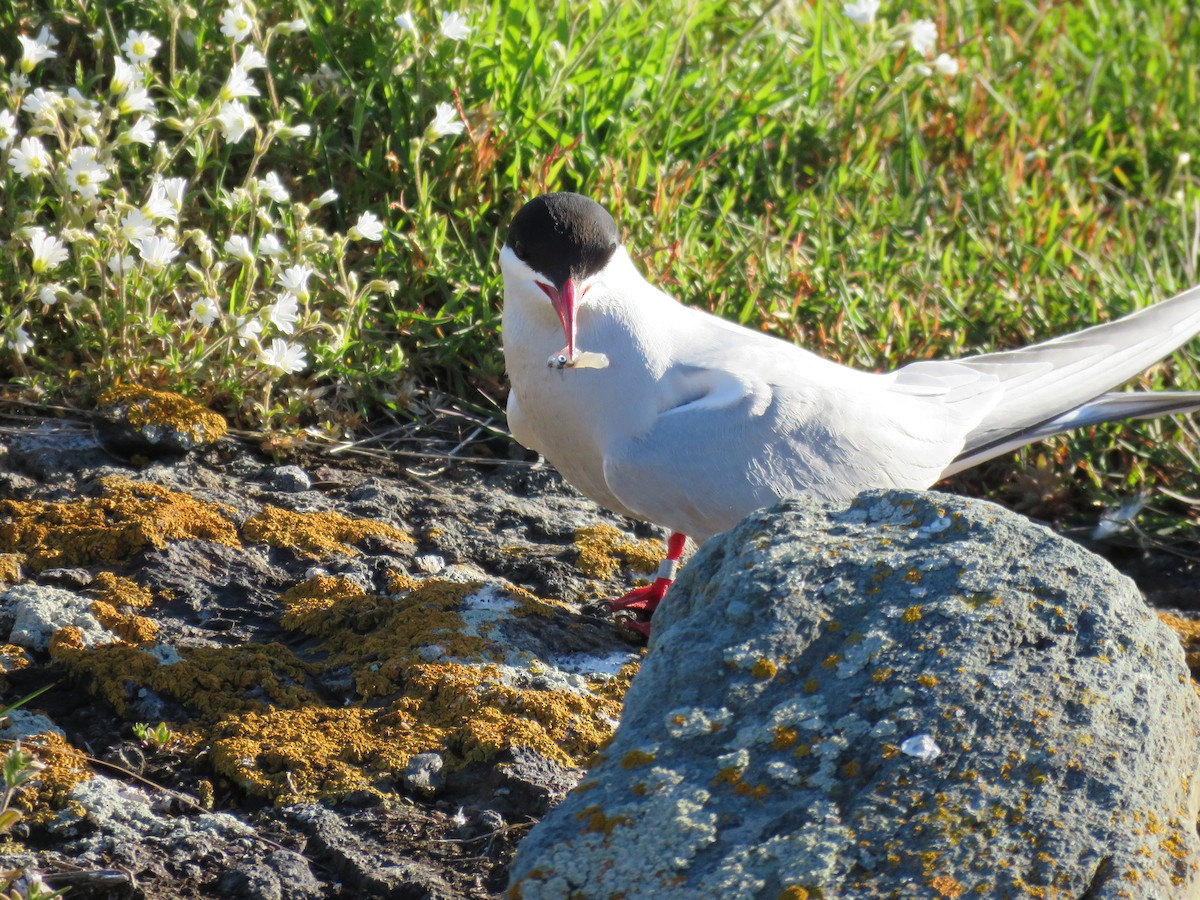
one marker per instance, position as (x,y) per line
(165,409)
(602,550)
(315,534)
(126,518)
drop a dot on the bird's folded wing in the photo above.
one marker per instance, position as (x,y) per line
(736,442)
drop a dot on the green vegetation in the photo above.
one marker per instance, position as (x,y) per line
(780,164)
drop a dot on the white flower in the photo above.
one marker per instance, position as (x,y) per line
(283,357)
(239,247)
(325,199)
(405,22)
(861,11)
(248,329)
(1183,159)
(923,35)
(269,245)
(84,174)
(445,122)
(8,128)
(238,84)
(273,187)
(119,265)
(295,280)
(173,189)
(284,313)
(21,341)
(296,26)
(235,23)
(136,225)
(205,311)
(454,26)
(42,103)
(946,65)
(252,59)
(135,99)
(287,132)
(48,251)
(85,111)
(235,120)
(34,50)
(48,293)
(367,228)
(140,132)
(18,82)
(140,46)
(124,77)
(30,158)
(156,251)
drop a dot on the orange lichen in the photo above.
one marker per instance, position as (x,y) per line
(764,669)
(10,568)
(120,591)
(636,758)
(127,517)
(129,627)
(315,534)
(602,550)
(948,886)
(147,407)
(65,766)
(911,615)
(784,737)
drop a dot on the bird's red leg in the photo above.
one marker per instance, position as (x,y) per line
(646,599)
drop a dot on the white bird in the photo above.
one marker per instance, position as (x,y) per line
(674,416)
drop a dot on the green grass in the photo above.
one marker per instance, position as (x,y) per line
(776,164)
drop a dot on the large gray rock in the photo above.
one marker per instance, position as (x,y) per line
(917,696)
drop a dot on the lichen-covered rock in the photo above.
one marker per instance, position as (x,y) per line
(916,696)
(135,420)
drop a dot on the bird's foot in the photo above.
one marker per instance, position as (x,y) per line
(643,599)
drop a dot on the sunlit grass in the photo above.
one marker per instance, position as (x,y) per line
(779,164)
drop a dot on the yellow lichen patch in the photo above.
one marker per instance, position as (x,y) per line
(948,886)
(317,750)
(911,615)
(317,606)
(378,637)
(128,517)
(764,669)
(794,892)
(784,737)
(120,591)
(636,758)
(315,534)
(10,568)
(65,767)
(129,627)
(212,682)
(163,408)
(12,658)
(602,550)
(1188,631)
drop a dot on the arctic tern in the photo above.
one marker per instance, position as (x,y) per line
(670,415)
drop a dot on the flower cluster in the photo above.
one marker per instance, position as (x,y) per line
(454,27)
(214,273)
(921,36)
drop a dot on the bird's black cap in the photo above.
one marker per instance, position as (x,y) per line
(563,236)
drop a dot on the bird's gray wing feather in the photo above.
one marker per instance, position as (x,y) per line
(738,443)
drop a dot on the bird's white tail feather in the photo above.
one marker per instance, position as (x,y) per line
(1106,408)
(1069,373)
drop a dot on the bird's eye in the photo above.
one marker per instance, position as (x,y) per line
(521,251)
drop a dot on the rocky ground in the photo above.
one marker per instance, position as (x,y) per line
(374,674)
